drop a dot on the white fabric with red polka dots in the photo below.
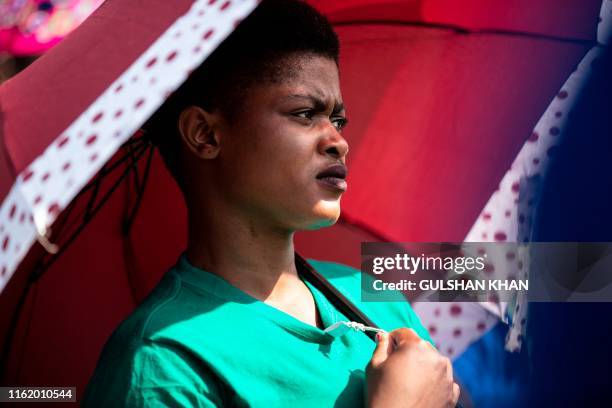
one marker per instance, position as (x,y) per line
(51,181)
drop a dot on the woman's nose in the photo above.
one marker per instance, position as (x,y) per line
(333,144)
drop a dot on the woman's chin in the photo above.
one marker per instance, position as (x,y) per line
(322,219)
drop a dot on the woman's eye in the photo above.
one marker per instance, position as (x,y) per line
(339,123)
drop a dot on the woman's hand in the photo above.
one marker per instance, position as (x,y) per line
(407,371)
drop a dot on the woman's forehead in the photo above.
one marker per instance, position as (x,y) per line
(312,79)
(318,100)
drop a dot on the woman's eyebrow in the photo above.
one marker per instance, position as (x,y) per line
(318,103)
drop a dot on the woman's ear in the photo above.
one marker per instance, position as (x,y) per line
(199,131)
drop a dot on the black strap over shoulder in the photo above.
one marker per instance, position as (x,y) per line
(332,294)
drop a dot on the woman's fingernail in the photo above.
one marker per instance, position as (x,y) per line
(378,337)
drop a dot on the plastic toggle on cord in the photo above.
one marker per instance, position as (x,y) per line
(340,328)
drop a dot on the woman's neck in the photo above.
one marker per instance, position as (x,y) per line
(253,257)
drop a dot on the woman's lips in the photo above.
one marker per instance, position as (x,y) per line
(333,177)
(333,183)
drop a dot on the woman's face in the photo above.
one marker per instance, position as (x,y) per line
(282,160)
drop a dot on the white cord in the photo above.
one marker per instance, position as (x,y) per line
(340,328)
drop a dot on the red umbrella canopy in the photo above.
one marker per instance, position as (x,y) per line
(457,89)
(440,100)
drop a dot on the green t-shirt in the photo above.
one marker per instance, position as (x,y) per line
(199,341)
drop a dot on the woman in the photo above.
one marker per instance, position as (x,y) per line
(254,141)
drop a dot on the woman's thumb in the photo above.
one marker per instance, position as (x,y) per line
(382,350)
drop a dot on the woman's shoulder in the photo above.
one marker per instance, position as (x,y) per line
(147,356)
(346,279)
(334,270)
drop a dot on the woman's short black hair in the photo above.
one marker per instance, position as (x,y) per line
(254,53)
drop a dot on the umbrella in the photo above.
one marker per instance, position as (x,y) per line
(131,69)
(456,91)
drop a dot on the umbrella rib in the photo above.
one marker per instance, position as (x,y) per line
(46,264)
(127,224)
(463,30)
(136,177)
(139,143)
(68,225)
(92,198)
(136,144)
